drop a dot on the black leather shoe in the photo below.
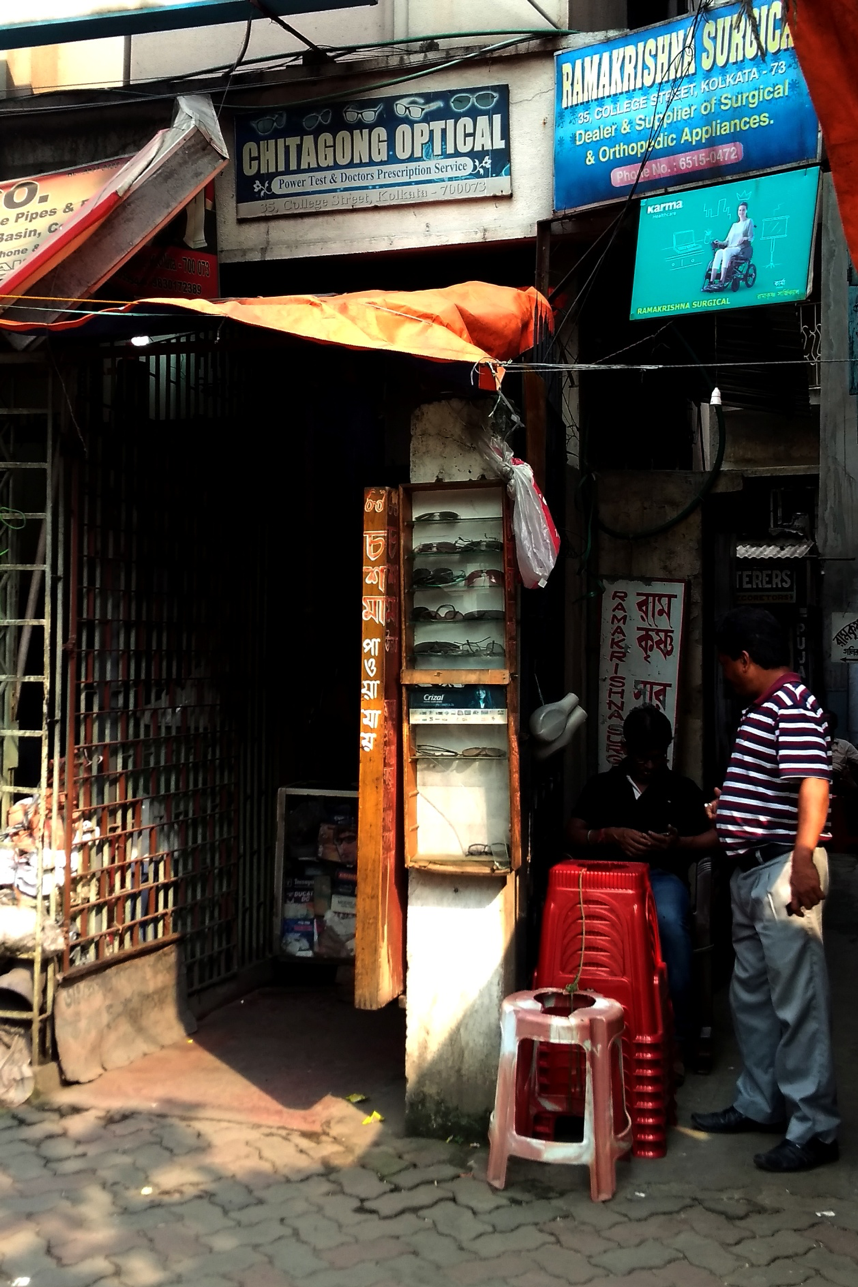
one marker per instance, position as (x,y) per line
(788,1156)
(729,1121)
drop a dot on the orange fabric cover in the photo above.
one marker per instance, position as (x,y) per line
(472,322)
(826,41)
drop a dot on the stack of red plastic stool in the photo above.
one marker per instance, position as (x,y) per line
(600,933)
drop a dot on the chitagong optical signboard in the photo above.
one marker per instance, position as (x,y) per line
(437,145)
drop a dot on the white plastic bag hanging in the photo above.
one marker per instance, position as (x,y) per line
(537,542)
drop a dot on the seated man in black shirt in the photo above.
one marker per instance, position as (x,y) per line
(642,811)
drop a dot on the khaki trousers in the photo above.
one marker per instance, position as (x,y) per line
(780,1003)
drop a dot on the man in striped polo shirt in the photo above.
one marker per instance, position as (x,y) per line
(770,816)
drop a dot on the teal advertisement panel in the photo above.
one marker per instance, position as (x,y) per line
(731,245)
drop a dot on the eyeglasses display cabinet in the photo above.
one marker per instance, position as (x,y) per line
(460,709)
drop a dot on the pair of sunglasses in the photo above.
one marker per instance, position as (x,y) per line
(438,516)
(488,851)
(470,752)
(461,546)
(437,577)
(484,577)
(446,612)
(446,648)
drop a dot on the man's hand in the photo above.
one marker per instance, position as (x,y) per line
(712,806)
(633,843)
(664,839)
(805,888)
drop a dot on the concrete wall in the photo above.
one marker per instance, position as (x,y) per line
(460,928)
(642,500)
(760,442)
(437,223)
(81,64)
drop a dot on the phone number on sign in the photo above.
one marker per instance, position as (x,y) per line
(706,158)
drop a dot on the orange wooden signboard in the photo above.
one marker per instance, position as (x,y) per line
(380,940)
(34,208)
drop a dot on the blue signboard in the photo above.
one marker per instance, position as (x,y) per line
(689,101)
(730,245)
(437,145)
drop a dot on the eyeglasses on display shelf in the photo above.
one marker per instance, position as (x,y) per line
(459,675)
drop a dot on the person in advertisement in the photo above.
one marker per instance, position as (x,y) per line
(771,814)
(737,246)
(642,811)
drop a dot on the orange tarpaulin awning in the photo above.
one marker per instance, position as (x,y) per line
(472,322)
(825,33)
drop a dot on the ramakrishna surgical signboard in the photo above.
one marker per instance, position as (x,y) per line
(731,245)
(436,145)
(680,103)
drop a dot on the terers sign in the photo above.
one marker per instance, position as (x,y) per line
(437,145)
(678,104)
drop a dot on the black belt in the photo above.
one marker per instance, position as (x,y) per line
(752,858)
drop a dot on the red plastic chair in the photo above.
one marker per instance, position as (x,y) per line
(592,1026)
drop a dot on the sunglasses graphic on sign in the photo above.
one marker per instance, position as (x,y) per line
(268,124)
(366,115)
(317,118)
(484,99)
(415,108)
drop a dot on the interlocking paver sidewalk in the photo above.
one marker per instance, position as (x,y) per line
(92,1199)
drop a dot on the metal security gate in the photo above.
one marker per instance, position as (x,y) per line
(172,818)
(30,664)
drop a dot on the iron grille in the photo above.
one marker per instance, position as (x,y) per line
(169,794)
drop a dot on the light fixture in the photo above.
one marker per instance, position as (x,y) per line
(714,400)
(140,341)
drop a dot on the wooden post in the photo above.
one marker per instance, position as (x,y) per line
(380,939)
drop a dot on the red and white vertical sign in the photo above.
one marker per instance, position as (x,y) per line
(639,655)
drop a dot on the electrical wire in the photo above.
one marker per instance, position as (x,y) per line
(235,66)
(572,987)
(362,90)
(657,123)
(664,366)
(335,51)
(706,486)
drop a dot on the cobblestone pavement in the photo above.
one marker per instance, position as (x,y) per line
(139,1201)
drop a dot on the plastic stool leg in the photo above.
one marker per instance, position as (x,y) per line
(502,1123)
(603,1168)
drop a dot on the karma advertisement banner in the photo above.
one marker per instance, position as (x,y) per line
(690,100)
(732,245)
(442,145)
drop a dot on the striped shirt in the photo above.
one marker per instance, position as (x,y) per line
(781,740)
